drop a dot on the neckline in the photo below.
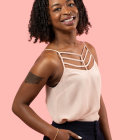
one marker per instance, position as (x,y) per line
(75,53)
(67,52)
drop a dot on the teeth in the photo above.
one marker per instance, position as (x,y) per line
(67,20)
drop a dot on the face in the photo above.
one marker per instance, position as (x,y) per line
(64,14)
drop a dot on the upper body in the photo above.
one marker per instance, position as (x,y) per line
(76,89)
(47,71)
(64,20)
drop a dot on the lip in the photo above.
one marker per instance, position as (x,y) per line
(69,23)
(67,18)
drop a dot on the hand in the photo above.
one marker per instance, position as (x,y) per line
(64,134)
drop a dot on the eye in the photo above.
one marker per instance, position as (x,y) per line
(71,4)
(57,9)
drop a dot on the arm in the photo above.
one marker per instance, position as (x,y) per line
(102,113)
(37,77)
(104,121)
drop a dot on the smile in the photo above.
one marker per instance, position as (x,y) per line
(69,21)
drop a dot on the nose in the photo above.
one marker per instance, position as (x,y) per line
(66,10)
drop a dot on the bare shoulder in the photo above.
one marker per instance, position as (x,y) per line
(44,63)
(92,50)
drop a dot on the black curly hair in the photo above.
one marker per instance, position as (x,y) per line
(40,28)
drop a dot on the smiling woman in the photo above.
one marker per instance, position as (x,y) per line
(67,21)
(69,70)
(40,25)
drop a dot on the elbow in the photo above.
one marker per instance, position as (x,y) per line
(16,107)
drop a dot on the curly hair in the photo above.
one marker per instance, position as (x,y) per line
(39,23)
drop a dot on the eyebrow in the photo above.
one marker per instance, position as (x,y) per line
(57,4)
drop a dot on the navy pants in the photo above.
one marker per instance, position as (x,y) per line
(88,130)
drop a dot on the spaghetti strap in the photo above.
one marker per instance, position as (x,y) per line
(59,56)
(82,59)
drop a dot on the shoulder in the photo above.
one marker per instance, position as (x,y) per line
(45,64)
(92,50)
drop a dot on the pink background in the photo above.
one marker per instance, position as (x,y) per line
(115,34)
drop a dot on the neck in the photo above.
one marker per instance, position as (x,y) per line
(64,40)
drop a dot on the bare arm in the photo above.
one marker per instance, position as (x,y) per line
(37,77)
(44,67)
(104,121)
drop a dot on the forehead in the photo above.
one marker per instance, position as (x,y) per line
(52,2)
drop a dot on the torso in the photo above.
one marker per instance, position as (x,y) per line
(54,80)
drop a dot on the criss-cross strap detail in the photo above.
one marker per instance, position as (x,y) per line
(72,59)
(80,65)
(71,53)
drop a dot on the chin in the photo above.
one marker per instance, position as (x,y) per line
(69,29)
(66,29)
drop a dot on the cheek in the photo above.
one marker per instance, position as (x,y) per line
(55,18)
(77,13)
(75,10)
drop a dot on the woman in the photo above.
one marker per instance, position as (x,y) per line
(69,70)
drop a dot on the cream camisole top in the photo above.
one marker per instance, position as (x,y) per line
(77,95)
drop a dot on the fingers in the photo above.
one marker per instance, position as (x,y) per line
(74,135)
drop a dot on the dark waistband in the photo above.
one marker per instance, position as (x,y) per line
(77,124)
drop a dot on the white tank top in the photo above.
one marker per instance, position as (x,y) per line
(77,95)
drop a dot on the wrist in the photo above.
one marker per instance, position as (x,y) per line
(52,132)
(56,134)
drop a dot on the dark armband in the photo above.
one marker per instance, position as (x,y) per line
(32,78)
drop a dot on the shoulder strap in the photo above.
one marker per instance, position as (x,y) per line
(80,55)
(58,55)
